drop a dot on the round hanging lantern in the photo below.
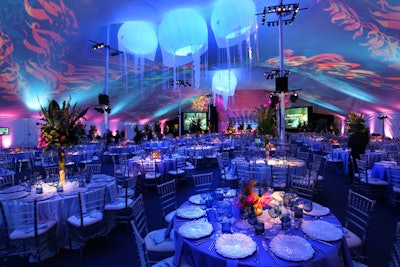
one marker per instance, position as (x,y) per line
(138,38)
(232,21)
(224,83)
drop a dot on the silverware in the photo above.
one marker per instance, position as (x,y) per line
(320,241)
(212,244)
(266,248)
(203,240)
(257,256)
(317,249)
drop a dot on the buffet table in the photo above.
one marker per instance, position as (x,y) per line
(317,241)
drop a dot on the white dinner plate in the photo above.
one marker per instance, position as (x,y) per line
(195,229)
(190,212)
(322,230)
(196,199)
(235,246)
(291,247)
(318,210)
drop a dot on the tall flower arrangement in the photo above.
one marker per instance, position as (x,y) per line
(61,127)
(266,117)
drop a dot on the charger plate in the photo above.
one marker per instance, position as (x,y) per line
(318,210)
(235,246)
(190,212)
(322,230)
(195,229)
(291,247)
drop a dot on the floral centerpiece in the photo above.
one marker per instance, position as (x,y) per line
(249,200)
(62,127)
(266,117)
(155,155)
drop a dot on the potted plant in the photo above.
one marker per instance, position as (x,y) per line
(61,128)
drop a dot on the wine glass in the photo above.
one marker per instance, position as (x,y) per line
(308,205)
(274,211)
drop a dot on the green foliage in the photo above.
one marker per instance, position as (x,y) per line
(355,122)
(62,125)
(266,121)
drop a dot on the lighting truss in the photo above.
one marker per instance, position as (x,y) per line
(276,73)
(181,83)
(285,10)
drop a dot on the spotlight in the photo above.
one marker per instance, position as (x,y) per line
(294,97)
(107,109)
(383,117)
(97,46)
(274,99)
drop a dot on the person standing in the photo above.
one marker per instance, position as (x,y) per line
(358,142)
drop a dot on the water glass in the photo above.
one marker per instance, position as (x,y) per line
(226,227)
(286,222)
(259,228)
(211,216)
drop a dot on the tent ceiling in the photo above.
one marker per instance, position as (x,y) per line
(344,55)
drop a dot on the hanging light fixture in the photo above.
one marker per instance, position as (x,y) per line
(294,97)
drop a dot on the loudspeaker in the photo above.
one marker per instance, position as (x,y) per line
(281,84)
(103,99)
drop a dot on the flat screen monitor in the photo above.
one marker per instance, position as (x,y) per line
(296,116)
(4,131)
(194,121)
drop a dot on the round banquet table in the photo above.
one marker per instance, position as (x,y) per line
(59,206)
(295,166)
(334,253)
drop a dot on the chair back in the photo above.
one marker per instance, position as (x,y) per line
(279,176)
(362,173)
(93,167)
(395,184)
(51,171)
(139,216)
(120,172)
(91,203)
(141,246)
(203,182)
(6,180)
(167,194)
(241,167)
(358,213)
(303,185)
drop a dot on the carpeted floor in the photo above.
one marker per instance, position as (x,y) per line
(119,249)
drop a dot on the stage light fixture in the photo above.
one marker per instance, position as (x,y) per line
(107,109)
(274,99)
(98,109)
(294,97)
(97,46)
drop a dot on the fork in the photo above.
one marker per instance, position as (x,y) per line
(266,248)
(201,241)
(212,244)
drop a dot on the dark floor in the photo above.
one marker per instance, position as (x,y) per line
(119,248)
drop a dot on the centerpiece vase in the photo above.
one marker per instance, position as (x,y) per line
(61,165)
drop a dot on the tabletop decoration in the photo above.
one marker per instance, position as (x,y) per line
(61,128)
(156,155)
(251,202)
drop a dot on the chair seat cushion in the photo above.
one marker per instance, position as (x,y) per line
(29,232)
(352,239)
(374,181)
(229,177)
(176,172)
(88,218)
(152,175)
(156,241)
(118,204)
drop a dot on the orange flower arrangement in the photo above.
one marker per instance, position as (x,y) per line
(250,199)
(156,155)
